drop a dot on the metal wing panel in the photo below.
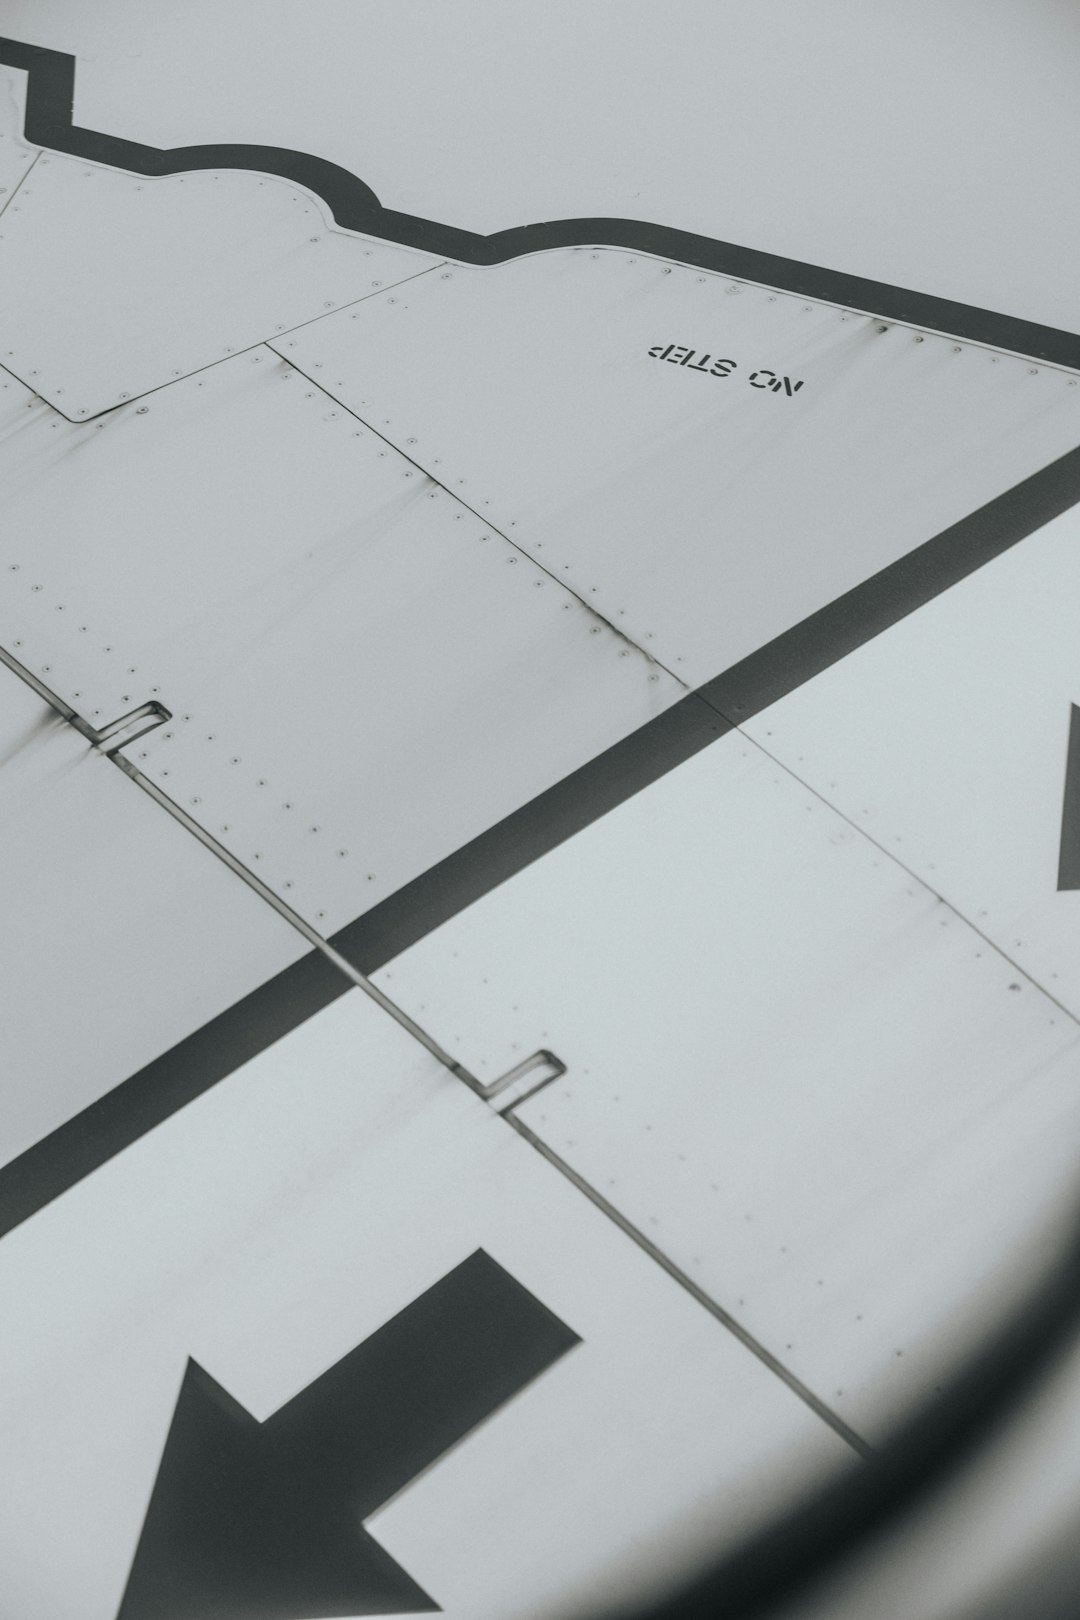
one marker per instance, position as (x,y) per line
(949,738)
(123,935)
(113,284)
(801,1076)
(363,675)
(707,461)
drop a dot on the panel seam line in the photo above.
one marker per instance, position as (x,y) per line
(486,521)
(819,1407)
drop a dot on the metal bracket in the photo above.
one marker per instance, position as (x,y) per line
(127,728)
(514,1080)
(124,729)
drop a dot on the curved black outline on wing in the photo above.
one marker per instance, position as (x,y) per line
(49,106)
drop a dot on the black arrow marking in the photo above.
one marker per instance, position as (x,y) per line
(50,99)
(1069,858)
(263,1521)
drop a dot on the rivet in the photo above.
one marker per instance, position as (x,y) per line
(342,854)
(142,410)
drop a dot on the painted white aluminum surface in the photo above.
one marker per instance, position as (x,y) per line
(703,511)
(16,155)
(363,675)
(947,737)
(112,283)
(121,933)
(795,1070)
(929,149)
(278,1221)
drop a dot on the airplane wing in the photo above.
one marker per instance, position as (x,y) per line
(540,775)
